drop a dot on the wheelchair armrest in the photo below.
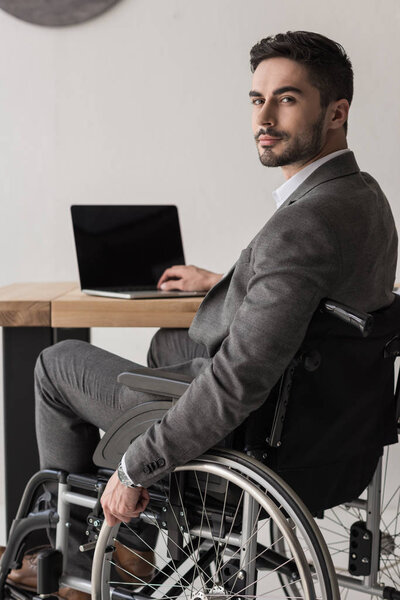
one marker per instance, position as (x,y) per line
(360,320)
(153,381)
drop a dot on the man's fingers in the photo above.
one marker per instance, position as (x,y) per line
(175,271)
(114,516)
(145,494)
(121,503)
(142,503)
(108,514)
(173,284)
(111,519)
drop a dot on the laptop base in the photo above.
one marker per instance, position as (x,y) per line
(136,295)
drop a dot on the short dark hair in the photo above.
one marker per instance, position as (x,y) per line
(328,65)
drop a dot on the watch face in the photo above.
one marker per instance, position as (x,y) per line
(56,12)
(122,475)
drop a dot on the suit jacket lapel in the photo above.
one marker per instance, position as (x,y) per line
(342,165)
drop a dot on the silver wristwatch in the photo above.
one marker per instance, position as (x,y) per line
(124,478)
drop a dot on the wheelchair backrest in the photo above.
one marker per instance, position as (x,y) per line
(340,409)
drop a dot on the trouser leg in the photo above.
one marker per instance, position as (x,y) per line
(176,351)
(77,393)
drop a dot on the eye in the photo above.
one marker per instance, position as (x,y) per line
(257,101)
(288,99)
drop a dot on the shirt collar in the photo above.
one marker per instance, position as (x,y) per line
(288,187)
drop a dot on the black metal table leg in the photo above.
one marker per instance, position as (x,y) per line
(21,347)
(65,333)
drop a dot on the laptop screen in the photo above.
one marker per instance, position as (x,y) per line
(119,246)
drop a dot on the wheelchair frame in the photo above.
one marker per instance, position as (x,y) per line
(25,522)
(222,462)
(261,485)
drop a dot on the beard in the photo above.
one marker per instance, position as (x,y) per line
(299,150)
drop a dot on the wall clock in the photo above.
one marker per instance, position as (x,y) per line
(56,12)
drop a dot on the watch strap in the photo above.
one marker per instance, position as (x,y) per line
(124,477)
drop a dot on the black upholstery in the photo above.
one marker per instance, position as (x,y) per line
(339,415)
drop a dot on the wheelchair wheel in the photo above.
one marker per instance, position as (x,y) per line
(213,518)
(340,530)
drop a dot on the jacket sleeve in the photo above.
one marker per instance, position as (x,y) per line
(295,263)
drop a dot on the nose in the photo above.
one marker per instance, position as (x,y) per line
(266,115)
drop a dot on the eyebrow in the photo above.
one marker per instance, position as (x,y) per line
(281,90)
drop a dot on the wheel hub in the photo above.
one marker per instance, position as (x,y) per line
(218,592)
(388,545)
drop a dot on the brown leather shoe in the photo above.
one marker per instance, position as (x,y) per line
(70,594)
(26,576)
(137,566)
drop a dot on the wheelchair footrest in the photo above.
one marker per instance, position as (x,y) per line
(49,571)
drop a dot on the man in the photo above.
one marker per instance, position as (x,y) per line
(333,235)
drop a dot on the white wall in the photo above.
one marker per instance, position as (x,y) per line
(148,103)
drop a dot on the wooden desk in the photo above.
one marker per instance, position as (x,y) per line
(74,309)
(37,315)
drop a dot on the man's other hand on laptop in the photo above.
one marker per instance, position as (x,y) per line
(187,278)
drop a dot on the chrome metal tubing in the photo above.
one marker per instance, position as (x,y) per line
(358,585)
(79,499)
(63,524)
(233,539)
(358,503)
(249,538)
(373,520)
(76,583)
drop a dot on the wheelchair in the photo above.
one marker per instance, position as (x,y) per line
(228,525)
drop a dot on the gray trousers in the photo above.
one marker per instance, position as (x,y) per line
(77,394)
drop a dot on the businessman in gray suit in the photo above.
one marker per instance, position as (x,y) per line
(332,235)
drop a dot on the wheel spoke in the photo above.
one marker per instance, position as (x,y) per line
(200,572)
(223,518)
(175,570)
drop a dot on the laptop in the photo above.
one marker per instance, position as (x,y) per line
(123,250)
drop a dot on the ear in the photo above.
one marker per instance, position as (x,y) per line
(338,113)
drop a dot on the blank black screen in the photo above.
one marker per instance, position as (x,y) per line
(125,245)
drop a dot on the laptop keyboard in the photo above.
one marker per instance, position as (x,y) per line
(132,288)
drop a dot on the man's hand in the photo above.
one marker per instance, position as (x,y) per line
(187,278)
(121,503)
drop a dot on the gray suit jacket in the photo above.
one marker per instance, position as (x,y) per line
(333,237)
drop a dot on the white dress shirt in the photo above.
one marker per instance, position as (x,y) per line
(286,189)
